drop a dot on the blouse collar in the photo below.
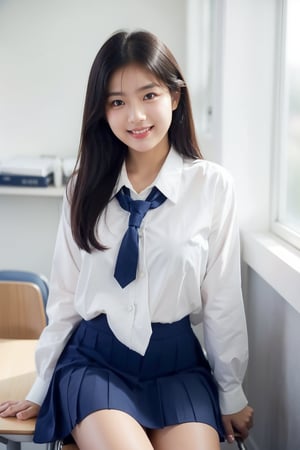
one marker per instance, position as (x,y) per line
(168,180)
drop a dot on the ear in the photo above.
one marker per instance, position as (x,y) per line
(175,95)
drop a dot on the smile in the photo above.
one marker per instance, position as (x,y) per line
(140,131)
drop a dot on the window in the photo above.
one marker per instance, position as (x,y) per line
(286,215)
(200,42)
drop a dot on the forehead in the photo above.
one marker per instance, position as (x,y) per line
(132,75)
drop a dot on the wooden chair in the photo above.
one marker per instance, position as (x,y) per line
(22,311)
(28,277)
(17,374)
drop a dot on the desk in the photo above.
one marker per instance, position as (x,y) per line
(17,374)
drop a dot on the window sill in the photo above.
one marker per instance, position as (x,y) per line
(276,262)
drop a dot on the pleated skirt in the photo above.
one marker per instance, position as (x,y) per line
(171,384)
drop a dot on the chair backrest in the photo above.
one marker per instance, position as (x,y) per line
(29,277)
(22,312)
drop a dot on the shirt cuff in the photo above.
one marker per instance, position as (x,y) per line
(232,401)
(38,391)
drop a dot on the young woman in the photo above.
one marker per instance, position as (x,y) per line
(148,243)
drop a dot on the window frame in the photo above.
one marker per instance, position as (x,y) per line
(278,227)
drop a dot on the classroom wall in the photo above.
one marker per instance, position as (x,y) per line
(248,50)
(46,51)
(273,372)
(47,48)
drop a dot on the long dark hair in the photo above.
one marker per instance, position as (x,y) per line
(101,153)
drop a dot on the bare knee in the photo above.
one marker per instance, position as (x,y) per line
(110,430)
(186,436)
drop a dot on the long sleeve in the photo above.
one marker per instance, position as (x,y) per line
(190,243)
(224,324)
(60,306)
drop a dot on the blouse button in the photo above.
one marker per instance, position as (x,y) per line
(130,308)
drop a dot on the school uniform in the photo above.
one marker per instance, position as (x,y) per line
(133,348)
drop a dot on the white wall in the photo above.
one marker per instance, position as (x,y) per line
(273,372)
(245,103)
(46,52)
(47,48)
(245,145)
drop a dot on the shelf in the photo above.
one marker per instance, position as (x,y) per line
(50,191)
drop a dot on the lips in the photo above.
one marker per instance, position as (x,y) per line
(140,132)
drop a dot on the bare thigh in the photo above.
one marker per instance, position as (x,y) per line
(110,430)
(185,436)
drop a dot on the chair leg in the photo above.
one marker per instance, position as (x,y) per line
(13,445)
(240,444)
(53,446)
(10,445)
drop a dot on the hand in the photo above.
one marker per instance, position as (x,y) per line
(240,422)
(21,409)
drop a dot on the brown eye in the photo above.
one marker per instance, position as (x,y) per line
(150,96)
(116,103)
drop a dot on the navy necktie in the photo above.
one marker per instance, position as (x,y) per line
(127,260)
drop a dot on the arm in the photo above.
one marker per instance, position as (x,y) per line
(62,319)
(224,324)
(60,306)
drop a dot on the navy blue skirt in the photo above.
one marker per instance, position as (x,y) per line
(171,384)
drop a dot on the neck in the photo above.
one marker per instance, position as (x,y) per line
(143,168)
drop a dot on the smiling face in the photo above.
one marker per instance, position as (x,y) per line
(139,109)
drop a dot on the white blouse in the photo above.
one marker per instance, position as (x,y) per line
(189,263)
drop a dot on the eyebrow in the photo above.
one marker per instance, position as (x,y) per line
(142,88)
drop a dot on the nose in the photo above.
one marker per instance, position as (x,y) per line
(136,112)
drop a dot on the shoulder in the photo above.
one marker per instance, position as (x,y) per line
(208,173)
